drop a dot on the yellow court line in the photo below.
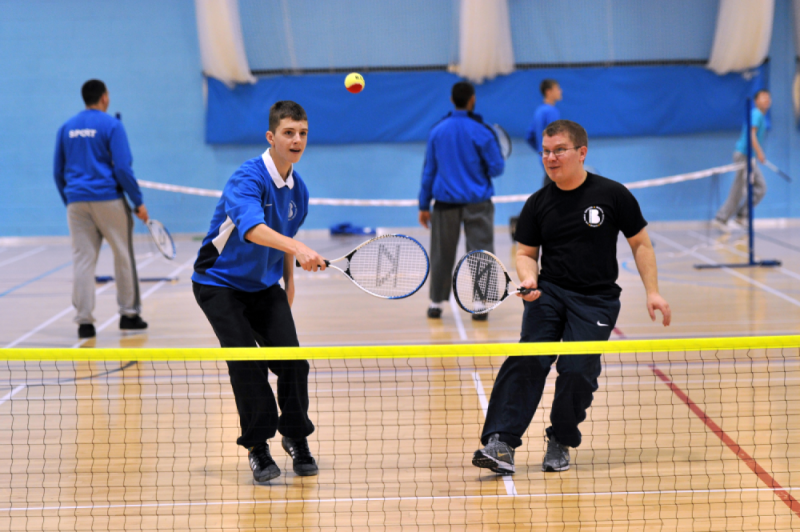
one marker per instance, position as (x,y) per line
(405,351)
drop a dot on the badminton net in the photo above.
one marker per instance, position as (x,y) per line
(695,434)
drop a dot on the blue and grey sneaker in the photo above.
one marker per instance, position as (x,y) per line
(497,456)
(302,461)
(261,462)
(556,458)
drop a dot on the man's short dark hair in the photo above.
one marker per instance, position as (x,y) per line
(574,131)
(92,91)
(285,109)
(461,94)
(759,92)
(546,85)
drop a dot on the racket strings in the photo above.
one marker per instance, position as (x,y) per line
(480,282)
(393,266)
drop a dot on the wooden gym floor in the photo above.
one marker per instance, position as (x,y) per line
(673,440)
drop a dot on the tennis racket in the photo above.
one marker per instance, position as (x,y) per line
(503,140)
(161,238)
(481,282)
(778,171)
(388,266)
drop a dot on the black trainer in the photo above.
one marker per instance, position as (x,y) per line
(132,323)
(86,330)
(480,317)
(434,312)
(303,463)
(261,462)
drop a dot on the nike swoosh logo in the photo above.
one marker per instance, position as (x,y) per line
(268,205)
(602,324)
(501,455)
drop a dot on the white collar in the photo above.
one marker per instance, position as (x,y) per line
(273,172)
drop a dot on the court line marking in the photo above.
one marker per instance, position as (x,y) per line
(754,466)
(384,499)
(462,333)
(511,489)
(33,280)
(61,314)
(735,251)
(12,393)
(729,271)
(23,256)
(147,294)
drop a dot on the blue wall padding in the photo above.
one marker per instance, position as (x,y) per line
(402,106)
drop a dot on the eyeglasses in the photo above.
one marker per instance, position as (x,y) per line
(558,152)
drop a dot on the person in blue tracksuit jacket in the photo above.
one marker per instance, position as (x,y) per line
(92,170)
(247,251)
(545,114)
(462,157)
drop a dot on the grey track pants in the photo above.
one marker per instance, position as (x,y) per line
(89,223)
(737,198)
(478,220)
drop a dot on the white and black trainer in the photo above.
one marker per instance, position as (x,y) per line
(302,461)
(497,456)
(556,458)
(261,462)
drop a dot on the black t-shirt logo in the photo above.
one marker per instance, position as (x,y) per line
(593,216)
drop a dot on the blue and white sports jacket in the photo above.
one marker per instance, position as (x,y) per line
(93,161)
(461,159)
(255,194)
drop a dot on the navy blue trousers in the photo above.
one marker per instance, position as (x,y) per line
(252,319)
(557,315)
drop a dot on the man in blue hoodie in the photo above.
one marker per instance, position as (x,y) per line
(545,114)
(461,159)
(92,170)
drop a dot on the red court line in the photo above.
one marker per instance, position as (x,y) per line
(765,477)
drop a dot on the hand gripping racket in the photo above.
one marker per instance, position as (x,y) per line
(481,282)
(388,266)
(161,238)
(503,140)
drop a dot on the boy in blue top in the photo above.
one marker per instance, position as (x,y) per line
(545,114)
(461,159)
(92,170)
(248,249)
(737,198)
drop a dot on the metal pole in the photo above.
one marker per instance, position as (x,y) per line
(749,137)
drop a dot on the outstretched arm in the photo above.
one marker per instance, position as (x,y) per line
(645,259)
(309,259)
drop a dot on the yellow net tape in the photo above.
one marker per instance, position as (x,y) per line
(404,351)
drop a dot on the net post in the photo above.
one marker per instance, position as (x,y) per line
(749,138)
(751,258)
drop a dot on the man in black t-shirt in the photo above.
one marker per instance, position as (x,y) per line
(576,220)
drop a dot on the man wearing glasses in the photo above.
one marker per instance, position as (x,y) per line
(576,219)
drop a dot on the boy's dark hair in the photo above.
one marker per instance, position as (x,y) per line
(574,131)
(758,93)
(546,85)
(285,109)
(92,91)
(461,94)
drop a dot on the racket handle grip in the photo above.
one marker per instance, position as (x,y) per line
(297,262)
(526,291)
